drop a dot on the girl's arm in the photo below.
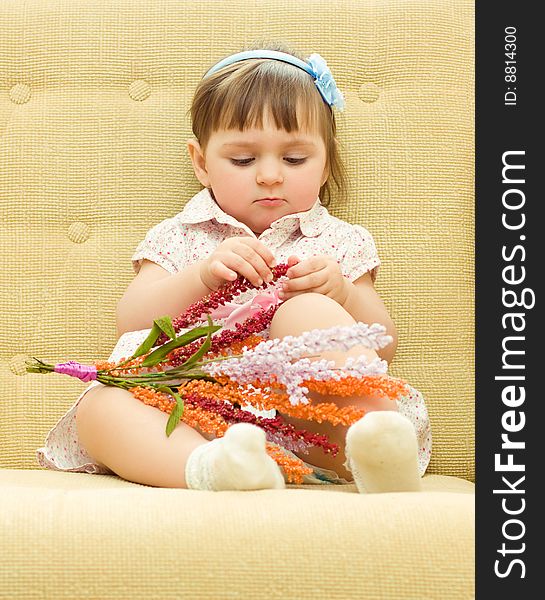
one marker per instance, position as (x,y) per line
(152,294)
(147,299)
(365,305)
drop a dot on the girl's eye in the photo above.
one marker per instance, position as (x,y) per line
(247,161)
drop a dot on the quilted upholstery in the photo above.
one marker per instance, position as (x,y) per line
(93,121)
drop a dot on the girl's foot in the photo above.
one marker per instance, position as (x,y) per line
(382,453)
(237,461)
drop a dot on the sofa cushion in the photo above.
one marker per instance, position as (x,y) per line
(78,535)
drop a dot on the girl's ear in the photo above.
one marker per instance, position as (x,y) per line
(198,161)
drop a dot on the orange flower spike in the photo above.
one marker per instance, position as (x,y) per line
(102,365)
(293,467)
(231,392)
(271,399)
(153,398)
(129,369)
(312,412)
(355,386)
(207,422)
(236,347)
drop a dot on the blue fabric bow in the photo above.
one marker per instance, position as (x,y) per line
(325,83)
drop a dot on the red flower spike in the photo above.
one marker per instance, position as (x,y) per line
(225,293)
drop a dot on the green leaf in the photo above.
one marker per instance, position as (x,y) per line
(149,342)
(177,411)
(192,360)
(165,324)
(160,325)
(158,355)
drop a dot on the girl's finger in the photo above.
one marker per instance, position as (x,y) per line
(293,260)
(262,252)
(256,267)
(237,263)
(296,285)
(221,270)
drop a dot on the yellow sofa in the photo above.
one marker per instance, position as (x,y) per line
(93,121)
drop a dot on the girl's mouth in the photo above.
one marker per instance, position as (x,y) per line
(270,201)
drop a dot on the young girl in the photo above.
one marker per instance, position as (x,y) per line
(265,150)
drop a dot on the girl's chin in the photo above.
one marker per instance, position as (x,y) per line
(258,229)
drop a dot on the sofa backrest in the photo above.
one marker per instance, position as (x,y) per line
(93,128)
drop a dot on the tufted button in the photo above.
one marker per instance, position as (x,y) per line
(369,92)
(79,232)
(17,364)
(20,93)
(139,90)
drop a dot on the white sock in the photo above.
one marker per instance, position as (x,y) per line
(237,461)
(382,453)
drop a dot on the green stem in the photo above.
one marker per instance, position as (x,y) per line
(203,362)
(159,378)
(219,358)
(162,375)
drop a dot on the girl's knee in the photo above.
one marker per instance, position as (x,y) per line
(307,311)
(93,399)
(86,403)
(309,299)
(96,412)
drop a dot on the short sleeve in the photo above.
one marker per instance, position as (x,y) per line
(361,254)
(164,244)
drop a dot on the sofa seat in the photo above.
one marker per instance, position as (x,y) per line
(78,535)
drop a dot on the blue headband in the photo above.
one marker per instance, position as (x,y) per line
(316,67)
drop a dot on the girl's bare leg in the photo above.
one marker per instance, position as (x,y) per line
(128,436)
(316,311)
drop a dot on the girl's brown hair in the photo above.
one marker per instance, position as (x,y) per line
(237,96)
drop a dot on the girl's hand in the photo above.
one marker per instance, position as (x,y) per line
(320,274)
(235,256)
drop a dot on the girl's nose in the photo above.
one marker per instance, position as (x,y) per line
(269,172)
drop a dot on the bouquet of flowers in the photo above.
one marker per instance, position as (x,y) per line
(205,384)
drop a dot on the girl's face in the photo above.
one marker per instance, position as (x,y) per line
(243,167)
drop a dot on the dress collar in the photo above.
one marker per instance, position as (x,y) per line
(202,207)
